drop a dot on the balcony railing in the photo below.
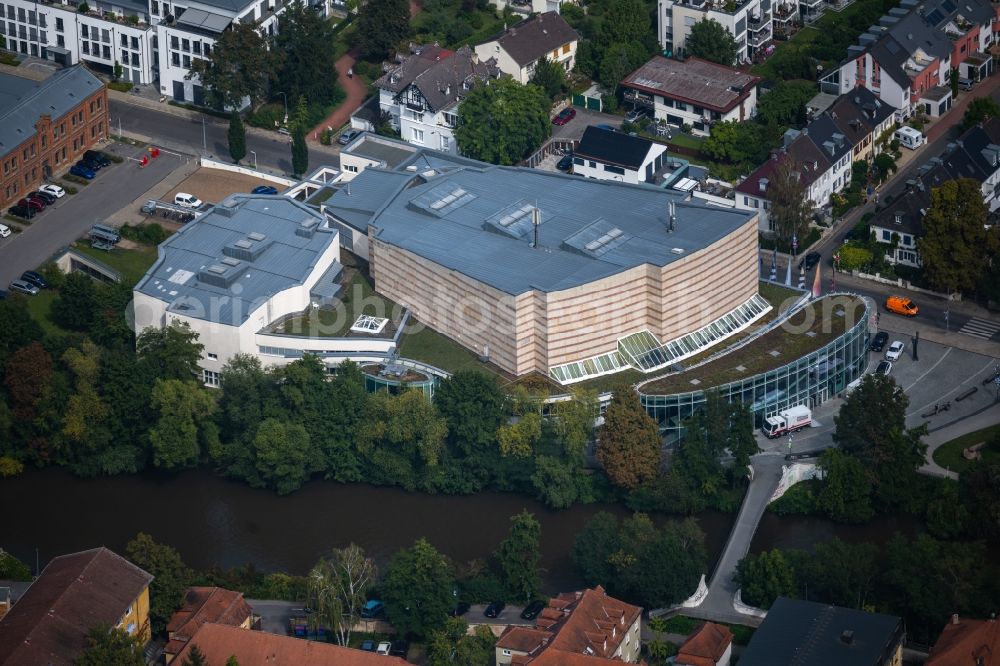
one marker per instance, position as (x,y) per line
(636,97)
(762,37)
(757,24)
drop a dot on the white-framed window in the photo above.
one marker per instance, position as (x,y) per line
(210,377)
(212,356)
(445,142)
(416,135)
(506,653)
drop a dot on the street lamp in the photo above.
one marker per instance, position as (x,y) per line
(254,158)
(285,97)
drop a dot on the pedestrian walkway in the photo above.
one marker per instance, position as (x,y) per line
(934,440)
(980,328)
(356,91)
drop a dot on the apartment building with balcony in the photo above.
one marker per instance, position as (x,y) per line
(907,58)
(752,23)
(422,93)
(154,41)
(694,92)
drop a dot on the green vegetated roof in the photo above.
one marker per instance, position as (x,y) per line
(806,330)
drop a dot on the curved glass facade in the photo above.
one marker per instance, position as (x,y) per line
(376,384)
(809,380)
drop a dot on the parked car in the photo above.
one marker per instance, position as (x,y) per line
(368,645)
(383,648)
(3,295)
(187,200)
(97,157)
(35,278)
(532,610)
(54,190)
(895,351)
(810,260)
(606,127)
(264,189)
(82,171)
(49,199)
(4,231)
(635,115)
(285,131)
(878,342)
(566,163)
(372,609)
(91,163)
(400,649)
(564,116)
(461,608)
(494,609)
(884,368)
(348,136)
(22,211)
(34,204)
(23,287)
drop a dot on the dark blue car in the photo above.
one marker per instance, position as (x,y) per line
(264,189)
(82,171)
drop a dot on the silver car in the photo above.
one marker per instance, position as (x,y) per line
(23,287)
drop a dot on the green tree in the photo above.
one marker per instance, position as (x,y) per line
(592,547)
(871,427)
(237,137)
(629,441)
(618,60)
(184,429)
(338,589)
(417,590)
(624,22)
(76,304)
(300,151)
(955,236)
(550,76)
(240,67)
(518,557)
(307,53)
(84,419)
(503,122)
(17,327)
(171,352)
(382,24)
(110,646)
(554,481)
(854,258)
(403,435)
(710,40)
(947,517)
(979,109)
(785,104)
(282,452)
(12,568)
(980,488)
(791,209)
(574,423)
(840,573)
(170,577)
(116,73)
(474,406)
(736,142)
(454,645)
(765,577)
(232,661)
(519,438)
(846,492)
(194,657)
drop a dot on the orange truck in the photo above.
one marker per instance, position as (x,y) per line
(901,305)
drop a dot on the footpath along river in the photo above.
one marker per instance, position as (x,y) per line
(214,521)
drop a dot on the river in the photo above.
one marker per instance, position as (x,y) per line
(215,521)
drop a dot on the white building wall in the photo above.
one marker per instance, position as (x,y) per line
(674,21)
(599,170)
(427,129)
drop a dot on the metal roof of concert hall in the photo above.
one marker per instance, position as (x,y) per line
(476,219)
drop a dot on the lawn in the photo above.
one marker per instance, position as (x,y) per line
(687,141)
(132,264)
(949,454)
(429,346)
(803,333)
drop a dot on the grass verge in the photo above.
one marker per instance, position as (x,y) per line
(132,264)
(949,455)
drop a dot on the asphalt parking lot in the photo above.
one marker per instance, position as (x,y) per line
(70,217)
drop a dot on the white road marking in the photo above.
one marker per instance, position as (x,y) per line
(980,328)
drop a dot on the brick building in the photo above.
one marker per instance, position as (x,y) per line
(45,126)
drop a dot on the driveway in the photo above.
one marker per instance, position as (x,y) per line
(69,218)
(574,128)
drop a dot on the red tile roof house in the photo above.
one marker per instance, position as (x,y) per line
(219,642)
(967,643)
(201,606)
(75,592)
(576,629)
(710,645)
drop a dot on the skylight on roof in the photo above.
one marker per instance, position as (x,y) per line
(442,199)
(597,238)
(369,324)
(516,220)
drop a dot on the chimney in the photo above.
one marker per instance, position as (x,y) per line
(847,638)
(536,220)
(954,618)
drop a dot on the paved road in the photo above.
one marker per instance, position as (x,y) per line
(70,217)
(198,133)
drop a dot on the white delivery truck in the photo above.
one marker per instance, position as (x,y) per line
(787,420)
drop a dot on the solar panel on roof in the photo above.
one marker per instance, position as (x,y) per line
(935,17)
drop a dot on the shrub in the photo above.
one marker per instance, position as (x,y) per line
(53,275)
(326,137)
(83,8)
(150,234)
(69,188)
(76,179)
(120,86)
(267,116)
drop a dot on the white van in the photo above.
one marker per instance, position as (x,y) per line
(909,137)
(187,200)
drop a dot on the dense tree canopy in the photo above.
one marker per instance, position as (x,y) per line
(629,441)
(791,209)
(550,76)
(712,41)
(956,247)
(417,590)
(518,557)
(503,122)
(979,109)
(170,576)
(111,646)
(306,51)
(765,577)
(240,67)
(382,25)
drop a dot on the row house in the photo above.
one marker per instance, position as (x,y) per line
(154,41)
(45,126)
(695,92)
(975,155)
(752,23)
(422,92)
(823,153)
(518,49)
(907,58)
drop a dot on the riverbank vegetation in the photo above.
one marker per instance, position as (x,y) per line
(874,471)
